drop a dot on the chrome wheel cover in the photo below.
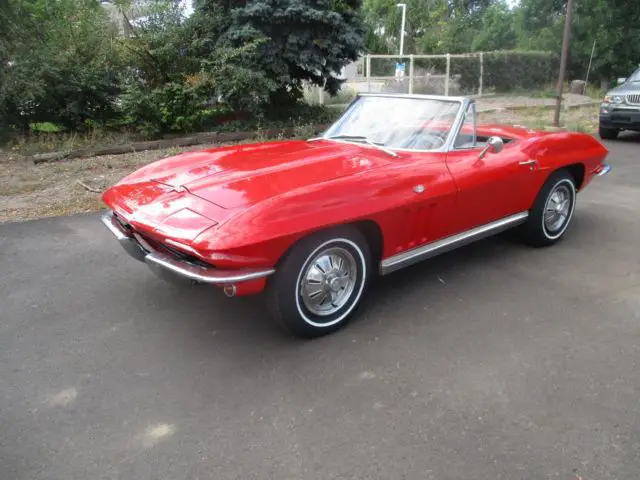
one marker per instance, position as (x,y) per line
(328,280)
(557,208)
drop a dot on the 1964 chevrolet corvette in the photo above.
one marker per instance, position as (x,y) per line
(396,180)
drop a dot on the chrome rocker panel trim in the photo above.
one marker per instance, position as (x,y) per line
(177,271)
(415,255)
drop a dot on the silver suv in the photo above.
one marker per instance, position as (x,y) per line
(620,109)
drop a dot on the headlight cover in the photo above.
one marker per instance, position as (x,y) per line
(617,99)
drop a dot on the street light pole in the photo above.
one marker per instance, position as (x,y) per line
(404,19)
(563,61)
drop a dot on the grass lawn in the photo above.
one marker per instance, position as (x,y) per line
(584,119)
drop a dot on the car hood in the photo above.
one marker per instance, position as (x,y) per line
(625,89)
(240,176)
(204,188)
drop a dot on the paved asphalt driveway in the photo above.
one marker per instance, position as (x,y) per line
(493,362)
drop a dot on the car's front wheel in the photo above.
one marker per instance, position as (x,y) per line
(320,282)
(552,211)
(608,133)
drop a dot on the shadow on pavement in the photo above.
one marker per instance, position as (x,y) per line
(627,136)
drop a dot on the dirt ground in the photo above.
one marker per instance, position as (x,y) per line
(30,191)
(65,187)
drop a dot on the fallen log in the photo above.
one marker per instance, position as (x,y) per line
(195,139)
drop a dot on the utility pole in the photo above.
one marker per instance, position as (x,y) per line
(563,60)
(404,19)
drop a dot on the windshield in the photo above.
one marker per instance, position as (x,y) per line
(635,76)
(397,122)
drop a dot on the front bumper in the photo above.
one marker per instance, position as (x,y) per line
(620,118)
(603,170)
(176,270)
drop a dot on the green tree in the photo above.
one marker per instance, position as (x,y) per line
(59,63)
(615,27)
(425,22)
(299,40)
(498,30)
(174,72)
(454,26)
(539,24)
(613,24)
(433,26)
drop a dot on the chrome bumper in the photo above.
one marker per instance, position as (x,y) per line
(178,271)
(128,242)
(603,169)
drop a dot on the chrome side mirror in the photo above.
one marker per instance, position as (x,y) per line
(621,80)
(494,145)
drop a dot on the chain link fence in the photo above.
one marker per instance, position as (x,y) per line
(468,74)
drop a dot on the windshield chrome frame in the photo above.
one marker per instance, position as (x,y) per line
(447,146)
(471,104)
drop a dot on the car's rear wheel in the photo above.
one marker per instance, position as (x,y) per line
(608,133)
(320,282)
(552,211)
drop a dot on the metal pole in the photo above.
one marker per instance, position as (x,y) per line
(446,80)
(563,61)
(368,67)
(481,74)
(411,73)
(404,19)
(586,79)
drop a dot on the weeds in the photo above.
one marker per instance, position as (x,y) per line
(52,141)
(343,97)
(303,130)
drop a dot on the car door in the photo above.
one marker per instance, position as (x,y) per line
(421,199)
(432,197)
(492,186)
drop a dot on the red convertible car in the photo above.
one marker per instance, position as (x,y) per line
(396,180)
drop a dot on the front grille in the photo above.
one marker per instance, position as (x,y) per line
(633,99)
(121,221)
(156,245)
(184,257)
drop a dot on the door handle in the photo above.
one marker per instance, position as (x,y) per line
(528,162)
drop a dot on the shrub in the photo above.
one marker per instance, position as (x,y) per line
(172,107)
(173,79)
(509,71)
(299,116)
(61,66)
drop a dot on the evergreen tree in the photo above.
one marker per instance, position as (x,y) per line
(299,40)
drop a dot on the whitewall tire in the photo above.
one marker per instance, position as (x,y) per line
(552,211)
(320,282)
